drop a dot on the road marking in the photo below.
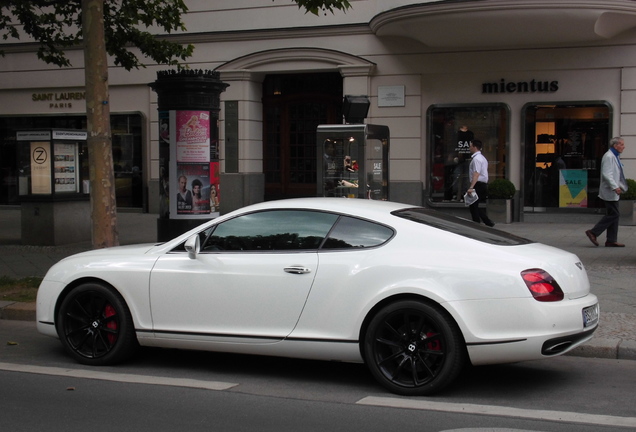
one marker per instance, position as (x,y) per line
(125,378)
(558,416)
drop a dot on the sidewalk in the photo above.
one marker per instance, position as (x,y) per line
(611,270)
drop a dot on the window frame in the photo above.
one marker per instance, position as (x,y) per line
(210,230)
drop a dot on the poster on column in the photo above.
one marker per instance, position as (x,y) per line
(193,136)
(572,188)
(164,164)
(193,196)
(215,187)
(190,165)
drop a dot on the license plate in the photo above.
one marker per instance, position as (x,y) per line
(590,316)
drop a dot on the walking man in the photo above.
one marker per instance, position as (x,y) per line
(478,175)
(613,184)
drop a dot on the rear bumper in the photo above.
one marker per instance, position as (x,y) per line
(519,329)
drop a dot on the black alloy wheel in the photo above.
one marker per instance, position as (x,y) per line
(413,348)
(95,325)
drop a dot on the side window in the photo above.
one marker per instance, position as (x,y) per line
(357,233)
(273,230)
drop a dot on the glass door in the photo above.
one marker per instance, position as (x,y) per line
(293,107)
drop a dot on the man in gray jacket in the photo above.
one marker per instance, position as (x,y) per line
(613,184)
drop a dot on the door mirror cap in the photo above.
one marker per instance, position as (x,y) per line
(193,246)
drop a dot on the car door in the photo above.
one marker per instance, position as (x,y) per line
(250,279)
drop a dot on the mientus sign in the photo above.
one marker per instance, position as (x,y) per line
(532,86)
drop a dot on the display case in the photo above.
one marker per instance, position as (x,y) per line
(54,187)
(50,161)
(355,161)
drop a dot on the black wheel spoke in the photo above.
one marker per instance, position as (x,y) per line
(389,342)
(82,309)
(399,369)
(392,330)
(109,331)
(79,331)
(100,340)
(82,342)
(84,321)
(391,357)
(414,375)
(431,373)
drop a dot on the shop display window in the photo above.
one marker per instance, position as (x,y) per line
(70,164)
(452,128)
(564,144)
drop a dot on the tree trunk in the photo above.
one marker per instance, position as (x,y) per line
(100,154)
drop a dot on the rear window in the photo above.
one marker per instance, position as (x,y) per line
(357,233)
(462,227)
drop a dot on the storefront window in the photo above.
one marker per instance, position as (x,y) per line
(452,128)
(127,142)
(564,145)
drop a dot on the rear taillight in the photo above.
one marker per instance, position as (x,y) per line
(542,286)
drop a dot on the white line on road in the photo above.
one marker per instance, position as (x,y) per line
(125,378)
(557,416)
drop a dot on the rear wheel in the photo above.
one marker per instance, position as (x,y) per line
(95,325)
(413,348)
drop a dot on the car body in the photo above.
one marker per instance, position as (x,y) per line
(413,293)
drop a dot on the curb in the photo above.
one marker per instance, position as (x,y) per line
(18,311)
(618,349)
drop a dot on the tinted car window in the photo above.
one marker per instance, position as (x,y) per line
(271,231)
(356,233)
(461,227)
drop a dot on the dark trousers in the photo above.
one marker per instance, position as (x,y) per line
(609,222)
(478,213)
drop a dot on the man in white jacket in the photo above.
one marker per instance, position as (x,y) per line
(613,184)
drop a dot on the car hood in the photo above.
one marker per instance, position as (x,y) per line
(98,261)
(565,267)
(138,249)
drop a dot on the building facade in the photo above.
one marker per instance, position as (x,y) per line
(544,85)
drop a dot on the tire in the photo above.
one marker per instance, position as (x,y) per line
(413,348)
(95,325)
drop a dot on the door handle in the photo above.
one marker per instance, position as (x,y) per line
(297,270)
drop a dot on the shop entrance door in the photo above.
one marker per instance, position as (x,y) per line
(563,151)
(293,107)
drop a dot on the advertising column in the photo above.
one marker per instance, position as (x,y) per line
(189,104)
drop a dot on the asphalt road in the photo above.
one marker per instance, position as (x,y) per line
(43,389)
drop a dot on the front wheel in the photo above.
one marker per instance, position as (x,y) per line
(413,348)
(95,325)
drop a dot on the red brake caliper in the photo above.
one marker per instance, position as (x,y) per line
(433,345)
(109,311)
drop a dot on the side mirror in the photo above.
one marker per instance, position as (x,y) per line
(193,246)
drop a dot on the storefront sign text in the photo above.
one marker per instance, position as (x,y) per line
(59,100)
(532,86)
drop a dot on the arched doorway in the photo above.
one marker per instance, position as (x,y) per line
(304,88)
(293,107)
